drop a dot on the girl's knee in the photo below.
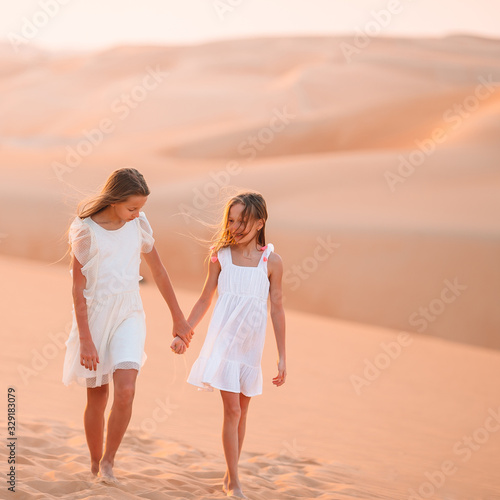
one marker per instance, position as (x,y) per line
(97,398)
(244,404)
(124,395)
(244,411)
(232,411)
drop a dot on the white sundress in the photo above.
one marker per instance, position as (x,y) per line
(230,359)
(110,262)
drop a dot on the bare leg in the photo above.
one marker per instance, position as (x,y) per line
(232,416)
(93,422)
(119,418)
(244,403)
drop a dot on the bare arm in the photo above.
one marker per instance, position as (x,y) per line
(275,266)
(202,305)
(88,353)
(181,327)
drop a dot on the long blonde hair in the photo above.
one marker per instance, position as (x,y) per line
(121,184)
(255,209)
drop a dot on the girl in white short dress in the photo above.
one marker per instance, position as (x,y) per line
(246,272)
(106,341)
(230,359)
(110,263)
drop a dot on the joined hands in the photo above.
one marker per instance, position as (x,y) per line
(183,333)
(178,346)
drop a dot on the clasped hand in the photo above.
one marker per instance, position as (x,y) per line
(182,333)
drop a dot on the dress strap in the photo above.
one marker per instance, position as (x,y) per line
(221,255)
(266,251)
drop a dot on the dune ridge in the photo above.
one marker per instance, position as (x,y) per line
(390,154)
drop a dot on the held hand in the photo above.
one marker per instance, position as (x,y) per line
(184,331)
(178,346)
(88,354)
(281,377)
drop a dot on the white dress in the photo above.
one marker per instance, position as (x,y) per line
(110,260)
(230,359)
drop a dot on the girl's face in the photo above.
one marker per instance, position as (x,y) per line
(236,225)
(129,209)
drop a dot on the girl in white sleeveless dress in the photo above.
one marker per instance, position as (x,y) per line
(106,341)
(245,271)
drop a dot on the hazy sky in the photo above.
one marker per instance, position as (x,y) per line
(100,23)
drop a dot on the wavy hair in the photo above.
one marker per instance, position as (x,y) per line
(121,184)
(254,209)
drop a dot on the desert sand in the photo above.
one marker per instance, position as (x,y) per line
(389,154)
(335,430)
(381,176)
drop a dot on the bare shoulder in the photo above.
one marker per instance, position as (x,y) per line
(274,262)
(214,264)
(275,257)
(214,269)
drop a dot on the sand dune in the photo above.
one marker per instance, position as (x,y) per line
(351,422)
(419,79)
(392,155)
(54,464)
(381,176)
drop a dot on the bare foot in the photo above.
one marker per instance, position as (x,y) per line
(225,481)
(94,468)
(106,472)
(235,491)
